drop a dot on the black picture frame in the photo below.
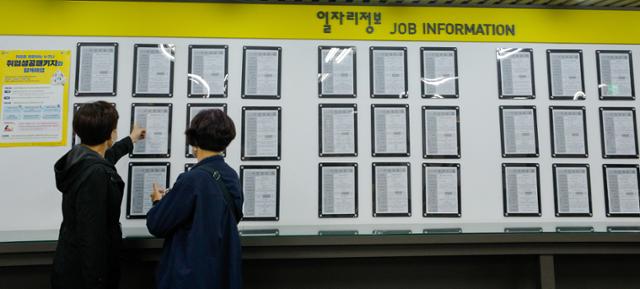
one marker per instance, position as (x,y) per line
(550,72)
(320,73)
(187,151)
(77,106)
(243,138)
(555,154)
(372,72)
(226,71)
(133,119)
(320,195)
(188,166)
(502,108)
(374,192)
(631,76)
(605,181)
(321,107)
(505,193)
(134,92)
(79,46)
(244,64)
(425,212)
(167,165)
(422,72)
(501,94)
(263,167)
(556,195)
(603,134)
(425,153)
(374,153)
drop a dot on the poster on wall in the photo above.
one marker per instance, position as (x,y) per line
(572,190)
(618,132)
(156,119)
(338,190)
(261,187)
(568,132)
(35,89)
(564,69)
(337,71)
(441,190)
(521,189)
(208,71)
(441,132)
(96,69)
(515,73)
(338,133)
(519,131)
(390,130)
(615,75)
(142,177)
(388,72)
(153,66)
(261,72)
(391,189)
(439,72)
(622,190)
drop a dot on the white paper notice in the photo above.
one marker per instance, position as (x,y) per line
(142,180)
(96,69)
(338,130)
(392,189)
(619,132)
(260,193)
(441,132)
(389,72)
(566,73)
(516,74)
(439,68)
(442,190)
(615,74)
(568,131)
(572,185)
(622,190)
(338,190)
(261,68)
(155,119)
(337,75)
(519,135)
(390,130)
(31,113)
(261,133)
(153,71)
(522,190)
(208,71)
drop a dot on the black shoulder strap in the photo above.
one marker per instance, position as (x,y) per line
(235,211)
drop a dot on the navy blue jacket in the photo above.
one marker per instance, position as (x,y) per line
(202,246)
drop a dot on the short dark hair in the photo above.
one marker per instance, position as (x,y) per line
(212,130)
(94,122)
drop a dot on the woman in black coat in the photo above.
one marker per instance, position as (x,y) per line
(87,255)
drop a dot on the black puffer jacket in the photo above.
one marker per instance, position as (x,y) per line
(87,255)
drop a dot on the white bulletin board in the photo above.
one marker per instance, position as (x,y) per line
(30,200)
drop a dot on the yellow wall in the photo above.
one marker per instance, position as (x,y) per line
(156,19)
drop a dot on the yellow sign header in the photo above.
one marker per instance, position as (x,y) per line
(276,21)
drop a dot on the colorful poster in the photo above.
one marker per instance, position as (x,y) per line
(35,88)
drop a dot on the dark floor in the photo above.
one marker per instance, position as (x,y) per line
(477,272)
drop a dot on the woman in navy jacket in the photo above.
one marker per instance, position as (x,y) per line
(202,245)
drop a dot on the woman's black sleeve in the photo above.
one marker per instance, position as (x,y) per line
(118,150)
